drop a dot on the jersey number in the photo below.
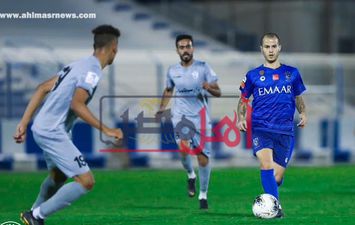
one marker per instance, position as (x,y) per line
(64,72)
(80,160)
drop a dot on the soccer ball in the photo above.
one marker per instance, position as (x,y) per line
(265,206)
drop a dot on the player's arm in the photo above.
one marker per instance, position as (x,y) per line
(301,108)
(78,105)
(168,92)
(242,113)
(41,92)
(212,88)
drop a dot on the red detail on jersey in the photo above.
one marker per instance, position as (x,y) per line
(249,139)
(275,77)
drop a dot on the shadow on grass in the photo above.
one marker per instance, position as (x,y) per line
(219,214)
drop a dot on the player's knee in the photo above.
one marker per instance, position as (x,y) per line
(266,165)
(86,180)
(88,184)
(203,161)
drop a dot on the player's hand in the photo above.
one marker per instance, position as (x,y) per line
(242,125)
(158,115)
(20,133)
(206,86)
(115,132)
(303,120)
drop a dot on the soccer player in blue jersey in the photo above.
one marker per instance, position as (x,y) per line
(192,80)
(276,89)
(67,95)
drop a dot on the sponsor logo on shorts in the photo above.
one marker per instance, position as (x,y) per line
(256,142)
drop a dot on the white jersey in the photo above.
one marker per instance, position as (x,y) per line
(55,113)
(189,101)
(187,81)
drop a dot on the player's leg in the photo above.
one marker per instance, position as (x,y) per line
(204,176)
(282,154)
(186,159)
(268,180)
(186,162)
(50,185)
(202,149)
(67,194)
(69,160)
(279,173)
(263,149)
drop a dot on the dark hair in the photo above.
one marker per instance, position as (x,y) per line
(183,36)
(104,34)
(269,35)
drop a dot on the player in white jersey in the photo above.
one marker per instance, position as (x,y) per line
(192,80)
(68,94)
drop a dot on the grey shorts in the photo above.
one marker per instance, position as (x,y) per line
(59,151)
(189,129)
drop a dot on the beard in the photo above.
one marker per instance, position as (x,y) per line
(110,61)
(186,57)
(271,59)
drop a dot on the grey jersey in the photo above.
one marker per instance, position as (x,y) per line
(187,82)
(56,113)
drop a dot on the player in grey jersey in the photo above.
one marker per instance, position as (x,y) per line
(68,94)
(192,80)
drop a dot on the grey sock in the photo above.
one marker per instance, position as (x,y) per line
(63,198)
(47,190)
(187,163)
(204,173)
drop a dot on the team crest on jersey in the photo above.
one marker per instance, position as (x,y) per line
(262,78)
(92,78)
(194,75)
(256,142)
(261,72)
(288,76)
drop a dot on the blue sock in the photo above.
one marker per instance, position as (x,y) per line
(204,173)
(48,189)
(187,163)
(63,198)
(269,183)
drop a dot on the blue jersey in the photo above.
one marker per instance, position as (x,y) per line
(274,92)
(56,113)
(187,82)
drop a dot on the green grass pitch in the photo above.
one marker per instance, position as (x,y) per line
(308,196)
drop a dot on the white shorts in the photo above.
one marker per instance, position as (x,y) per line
(189,128)
(59,151)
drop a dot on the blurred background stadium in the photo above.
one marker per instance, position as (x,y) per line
(317,37)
